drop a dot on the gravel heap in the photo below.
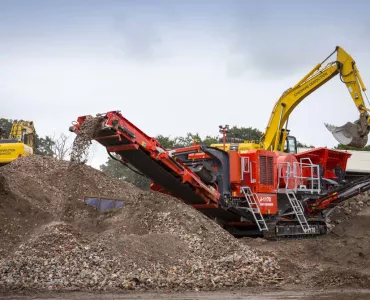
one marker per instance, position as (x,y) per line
(58,258)
(348,209)
(154,242)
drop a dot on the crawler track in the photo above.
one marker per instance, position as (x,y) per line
(292,230)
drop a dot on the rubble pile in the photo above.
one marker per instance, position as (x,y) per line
(201,254)
(343,256)
(154,242)
(46,183)
(348,209)
(58,258)
(338,259)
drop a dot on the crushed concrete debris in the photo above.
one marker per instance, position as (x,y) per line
(155,242)
(348,209)
(51,240)
(338,259)
(82,141)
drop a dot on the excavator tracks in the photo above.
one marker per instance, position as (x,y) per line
(292,230)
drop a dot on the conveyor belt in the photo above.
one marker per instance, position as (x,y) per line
(340,194)
(152,167)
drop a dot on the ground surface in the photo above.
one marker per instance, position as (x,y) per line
(50,242)
(245,295)
(339,259)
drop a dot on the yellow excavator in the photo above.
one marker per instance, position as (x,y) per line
(354,134)
(20,141)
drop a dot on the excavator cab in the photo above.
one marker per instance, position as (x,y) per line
(290,145)
(289,142)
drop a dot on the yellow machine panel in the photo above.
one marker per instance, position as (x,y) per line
(20,142)
(11,151)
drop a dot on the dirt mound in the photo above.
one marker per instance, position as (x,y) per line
(56,257)
(193,249)
(18,217)
(348,209)
(347,248)
(340,258)
(349,244)
(53,241)
(340,278)
(35,190)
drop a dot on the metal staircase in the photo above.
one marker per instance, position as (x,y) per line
(298,211)
(254,208)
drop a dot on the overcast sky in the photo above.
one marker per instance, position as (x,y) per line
(174,67)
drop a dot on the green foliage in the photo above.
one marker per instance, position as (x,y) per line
(208,140)
(245,133)
(186,141)
(117,170)
(44,146)
(114,168)
(301,145)
(344,147)
(166,141)
(6,126)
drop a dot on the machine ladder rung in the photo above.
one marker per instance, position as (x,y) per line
(298,211)
(254,208)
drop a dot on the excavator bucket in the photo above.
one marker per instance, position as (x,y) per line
(349,134)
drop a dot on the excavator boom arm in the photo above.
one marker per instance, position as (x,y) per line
(275,135)
(350,75)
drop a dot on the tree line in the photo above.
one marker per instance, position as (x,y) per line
(59,147)
(115,169)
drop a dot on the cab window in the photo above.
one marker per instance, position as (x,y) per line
(290,145)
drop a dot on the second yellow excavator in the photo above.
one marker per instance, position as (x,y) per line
(354,134)
(19,142)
